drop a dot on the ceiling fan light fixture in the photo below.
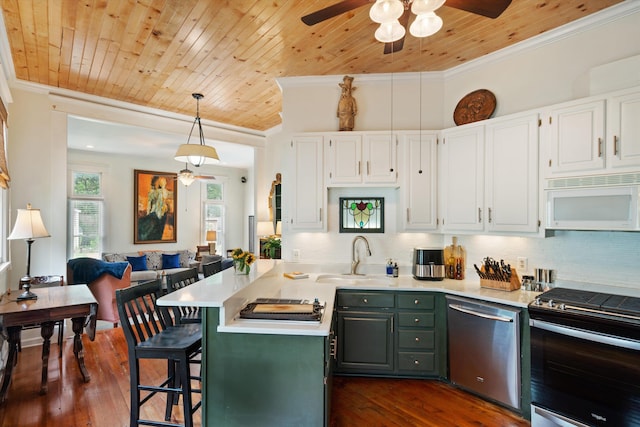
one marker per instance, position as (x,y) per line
(390,32)
(419,7)
(386,11)
(186,177)
(197,154)
(425,25)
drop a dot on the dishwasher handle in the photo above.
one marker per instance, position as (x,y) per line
(480,314)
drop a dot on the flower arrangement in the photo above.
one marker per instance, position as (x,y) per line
(242,260)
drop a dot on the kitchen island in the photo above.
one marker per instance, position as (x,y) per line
(277,373)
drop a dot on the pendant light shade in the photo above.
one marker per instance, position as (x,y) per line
(418,7)
(197,154)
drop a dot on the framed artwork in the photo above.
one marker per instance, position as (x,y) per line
(155,196)
(361,215)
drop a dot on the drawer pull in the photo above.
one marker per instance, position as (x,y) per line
(364,300)
(417,320)
(416,301)
(417,339)
(416,362)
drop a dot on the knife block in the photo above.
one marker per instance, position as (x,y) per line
(512,285)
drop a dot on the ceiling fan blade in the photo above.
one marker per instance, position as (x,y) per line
(205,177)
(397,45)
(333,10)
(488,8)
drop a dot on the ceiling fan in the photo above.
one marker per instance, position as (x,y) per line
(488,8)
(187,177)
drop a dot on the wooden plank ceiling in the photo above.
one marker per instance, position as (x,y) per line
(157,52)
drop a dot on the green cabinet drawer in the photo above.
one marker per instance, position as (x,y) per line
(366,299)
(416,320)
(413,339)
(415,300)
(423,362)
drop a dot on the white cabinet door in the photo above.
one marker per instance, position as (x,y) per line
(419,190)
(512,174)
(379,159)
(357,158)
(345,159)
(623,130)
(309,198)
(462,167)
(575,137)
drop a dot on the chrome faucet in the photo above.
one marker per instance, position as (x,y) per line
(354,262)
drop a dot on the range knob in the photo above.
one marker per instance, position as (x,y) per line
(550,303)
(538,301)
(562,306)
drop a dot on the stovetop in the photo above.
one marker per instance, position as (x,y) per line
(575,300)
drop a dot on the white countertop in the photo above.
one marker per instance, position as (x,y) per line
(231,293)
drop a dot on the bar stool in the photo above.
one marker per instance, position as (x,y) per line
(151,334)
(181,280)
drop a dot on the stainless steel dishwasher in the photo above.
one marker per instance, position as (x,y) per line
(484,349)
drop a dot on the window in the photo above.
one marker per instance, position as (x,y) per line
(86,214)
(213,213)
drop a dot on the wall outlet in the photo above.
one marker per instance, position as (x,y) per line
(295,254)
(523,263)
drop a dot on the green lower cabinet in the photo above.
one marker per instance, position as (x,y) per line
(395,334)
(264,380)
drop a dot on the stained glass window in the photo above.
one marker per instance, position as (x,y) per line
(362,215)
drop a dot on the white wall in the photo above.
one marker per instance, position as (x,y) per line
(118,182)
(527,76)
(37,156)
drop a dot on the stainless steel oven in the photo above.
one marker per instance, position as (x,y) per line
(585,359)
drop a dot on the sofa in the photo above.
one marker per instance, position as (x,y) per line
(153,264)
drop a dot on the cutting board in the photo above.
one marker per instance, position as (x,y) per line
(283,308)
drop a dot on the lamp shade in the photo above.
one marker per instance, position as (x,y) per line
(28,225)
(186,177)
(212,236)
(390,32)
(265,228)
(386,11)
(419,7)
(197,154)
(425,25)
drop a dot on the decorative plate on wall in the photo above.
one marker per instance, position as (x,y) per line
(475,106)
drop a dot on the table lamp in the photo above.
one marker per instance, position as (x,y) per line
(212,237)
(28,226)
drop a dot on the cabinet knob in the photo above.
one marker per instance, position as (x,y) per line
(417,320)
(417,339)
(364,300)
(416,301)
(416,362)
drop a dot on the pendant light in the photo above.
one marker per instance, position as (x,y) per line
(197,154)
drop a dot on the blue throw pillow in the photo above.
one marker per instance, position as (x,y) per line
(170,261)
(138,263)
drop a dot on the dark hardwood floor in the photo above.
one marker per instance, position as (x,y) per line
(104,401)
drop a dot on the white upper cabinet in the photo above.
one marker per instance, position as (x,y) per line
(575,137)
(489,174)
(623,129)
(511,174)
(461,175)
(592,136)
(418,189)
(308,208)
(361,158)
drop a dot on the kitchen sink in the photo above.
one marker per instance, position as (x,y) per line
(354,279)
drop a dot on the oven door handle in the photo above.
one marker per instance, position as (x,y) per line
(586,335)
(480,314)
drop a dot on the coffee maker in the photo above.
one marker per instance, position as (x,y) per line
(428,264)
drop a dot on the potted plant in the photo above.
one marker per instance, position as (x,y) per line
(271,247)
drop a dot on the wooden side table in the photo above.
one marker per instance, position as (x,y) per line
(53,304)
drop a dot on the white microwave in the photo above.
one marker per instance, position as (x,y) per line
(597,208)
